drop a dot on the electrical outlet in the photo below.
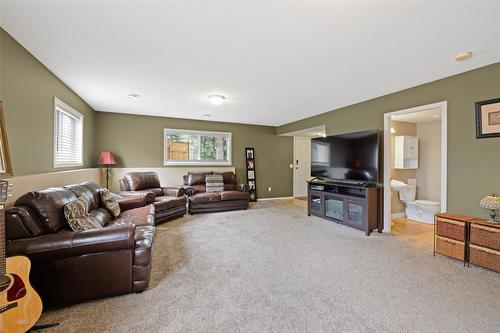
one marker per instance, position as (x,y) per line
(269,188)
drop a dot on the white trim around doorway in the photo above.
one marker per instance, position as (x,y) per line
(387,156)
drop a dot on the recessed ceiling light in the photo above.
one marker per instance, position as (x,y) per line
(133,96)
(463,56)
(216,99)
(436,116)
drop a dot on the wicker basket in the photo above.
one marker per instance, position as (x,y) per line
(485,257)
(485,236)
(450,247)
(450,228)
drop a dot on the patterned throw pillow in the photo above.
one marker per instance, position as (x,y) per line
(76,214)
(110,202)
(214,183)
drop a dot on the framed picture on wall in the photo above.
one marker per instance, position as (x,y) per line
(251,177)
(488,119)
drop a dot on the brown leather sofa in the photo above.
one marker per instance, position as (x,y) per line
(70,267)
(169,202)
(234,197)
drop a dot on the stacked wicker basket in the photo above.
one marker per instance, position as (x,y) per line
(484,244)
(472,240)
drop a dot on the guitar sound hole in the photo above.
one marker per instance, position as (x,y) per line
(4,282)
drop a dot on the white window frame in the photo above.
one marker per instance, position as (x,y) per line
(169,131)
(60,106)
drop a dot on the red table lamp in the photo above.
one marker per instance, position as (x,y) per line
(106,158)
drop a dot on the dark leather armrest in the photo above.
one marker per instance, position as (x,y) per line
(242,187)
(149,196)
(21,222)
(132,201)
(189,191)
(74,243)
(173,191)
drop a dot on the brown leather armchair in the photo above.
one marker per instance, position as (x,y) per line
(234,197)
(70,267)
(169,202)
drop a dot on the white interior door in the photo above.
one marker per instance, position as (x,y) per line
(301,165)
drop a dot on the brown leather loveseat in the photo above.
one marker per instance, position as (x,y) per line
(234,197)
(70,267)
(169,202)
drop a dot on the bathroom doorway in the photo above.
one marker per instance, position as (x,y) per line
(415,165)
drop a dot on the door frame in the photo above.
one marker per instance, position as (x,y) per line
(388,156)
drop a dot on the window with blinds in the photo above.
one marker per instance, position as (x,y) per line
(68,135)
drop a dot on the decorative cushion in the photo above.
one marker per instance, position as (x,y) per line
(77,217)
(197,178)
(205,197)
(234,195)
(214,183)
(110,201)
(229,177)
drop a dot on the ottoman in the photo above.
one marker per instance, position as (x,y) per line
(169,207)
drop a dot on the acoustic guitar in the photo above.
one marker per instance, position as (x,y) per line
(20,305)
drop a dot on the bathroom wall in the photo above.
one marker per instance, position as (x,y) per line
(401,128)
(429,171)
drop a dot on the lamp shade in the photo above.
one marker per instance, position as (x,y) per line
(490,202)
(106,158)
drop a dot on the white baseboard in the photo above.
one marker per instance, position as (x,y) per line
(277,198)
(398,215)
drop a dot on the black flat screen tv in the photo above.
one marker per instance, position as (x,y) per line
(352,156)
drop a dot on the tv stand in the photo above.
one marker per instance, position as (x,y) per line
(354,204)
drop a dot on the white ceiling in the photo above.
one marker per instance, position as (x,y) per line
(276,62)
(419,117)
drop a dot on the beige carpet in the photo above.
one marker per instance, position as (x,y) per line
(273,269)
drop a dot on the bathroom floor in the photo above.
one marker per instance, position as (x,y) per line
(413,231)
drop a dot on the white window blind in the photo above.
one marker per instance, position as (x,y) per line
(68,135)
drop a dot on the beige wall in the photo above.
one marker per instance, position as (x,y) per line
(137,142)
(27,91)
(429,161)
(401,128)
(471,162)
(27,183)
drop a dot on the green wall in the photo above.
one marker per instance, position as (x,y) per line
(27,89)
(137,141)
(473,164)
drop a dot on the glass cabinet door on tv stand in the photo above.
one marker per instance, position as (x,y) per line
(334,207)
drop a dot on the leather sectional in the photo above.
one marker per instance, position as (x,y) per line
(76,266)
(70,267)
(234,197)
(169,202)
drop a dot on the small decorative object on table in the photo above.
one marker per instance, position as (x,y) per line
(251,178)
(491,202)
(488,118)
(106,158)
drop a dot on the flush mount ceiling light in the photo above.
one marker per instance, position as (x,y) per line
(216,99)
(133,96)
(463,56)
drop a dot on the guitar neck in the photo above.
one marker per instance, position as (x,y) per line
(2,242)
(4,189)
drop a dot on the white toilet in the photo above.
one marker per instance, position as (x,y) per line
(417,210)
